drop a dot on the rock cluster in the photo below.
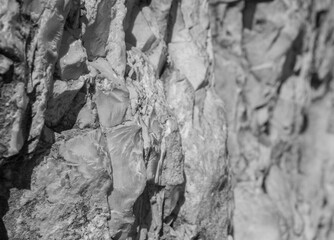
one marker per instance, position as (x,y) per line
(274,69)
(110,125)
(167,119)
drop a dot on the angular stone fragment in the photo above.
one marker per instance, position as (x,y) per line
(34,8)
(6,70)
(196,21)
(172,197)
(324,57)
(13,97)
(72,116)
(287,116)
(18,133)
(203,164)
(161,10)
(172,167)
(14,103)
(140,34)
(87,116)
(88,153)
(60,102)
(73,62)
(111,106)
(105,69)
(157,56)
(270,45)
(97,28)
(182,106)
(116,43)
(256,94)
(125,148)
(11,31)
(48,40)
(187,58)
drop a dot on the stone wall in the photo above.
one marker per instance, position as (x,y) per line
(167,119)
(274,65)
(110,125)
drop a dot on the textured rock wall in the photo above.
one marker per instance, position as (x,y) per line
(115,115)
(110,125)
(274,68)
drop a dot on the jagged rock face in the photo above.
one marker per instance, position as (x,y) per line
(115,115)
(274,70)
(110,125)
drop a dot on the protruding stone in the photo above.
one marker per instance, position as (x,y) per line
(60,102)
(140,34)
(125,148)
(72,64)
(187,58)
(6,69)
(88,153)
(111,106)
(97,28)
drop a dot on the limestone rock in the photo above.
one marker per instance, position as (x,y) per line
(173,119)
(270,56)
(94,150)
(111,106)
(73,62)
(98,19)
(61,99)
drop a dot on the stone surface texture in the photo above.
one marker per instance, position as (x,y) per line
(110,124)
(167,119)
(274,63)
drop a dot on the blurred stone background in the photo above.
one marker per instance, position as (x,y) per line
(167,119)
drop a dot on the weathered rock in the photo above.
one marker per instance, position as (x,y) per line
(72,63)
(44,53)
(61,99)
(129,176)
(187,58)
(270,56)
(111,106)
(13,98)
(116,166)
(65,203)
(98,20)
(112,127)
(6,70)
(140,34)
